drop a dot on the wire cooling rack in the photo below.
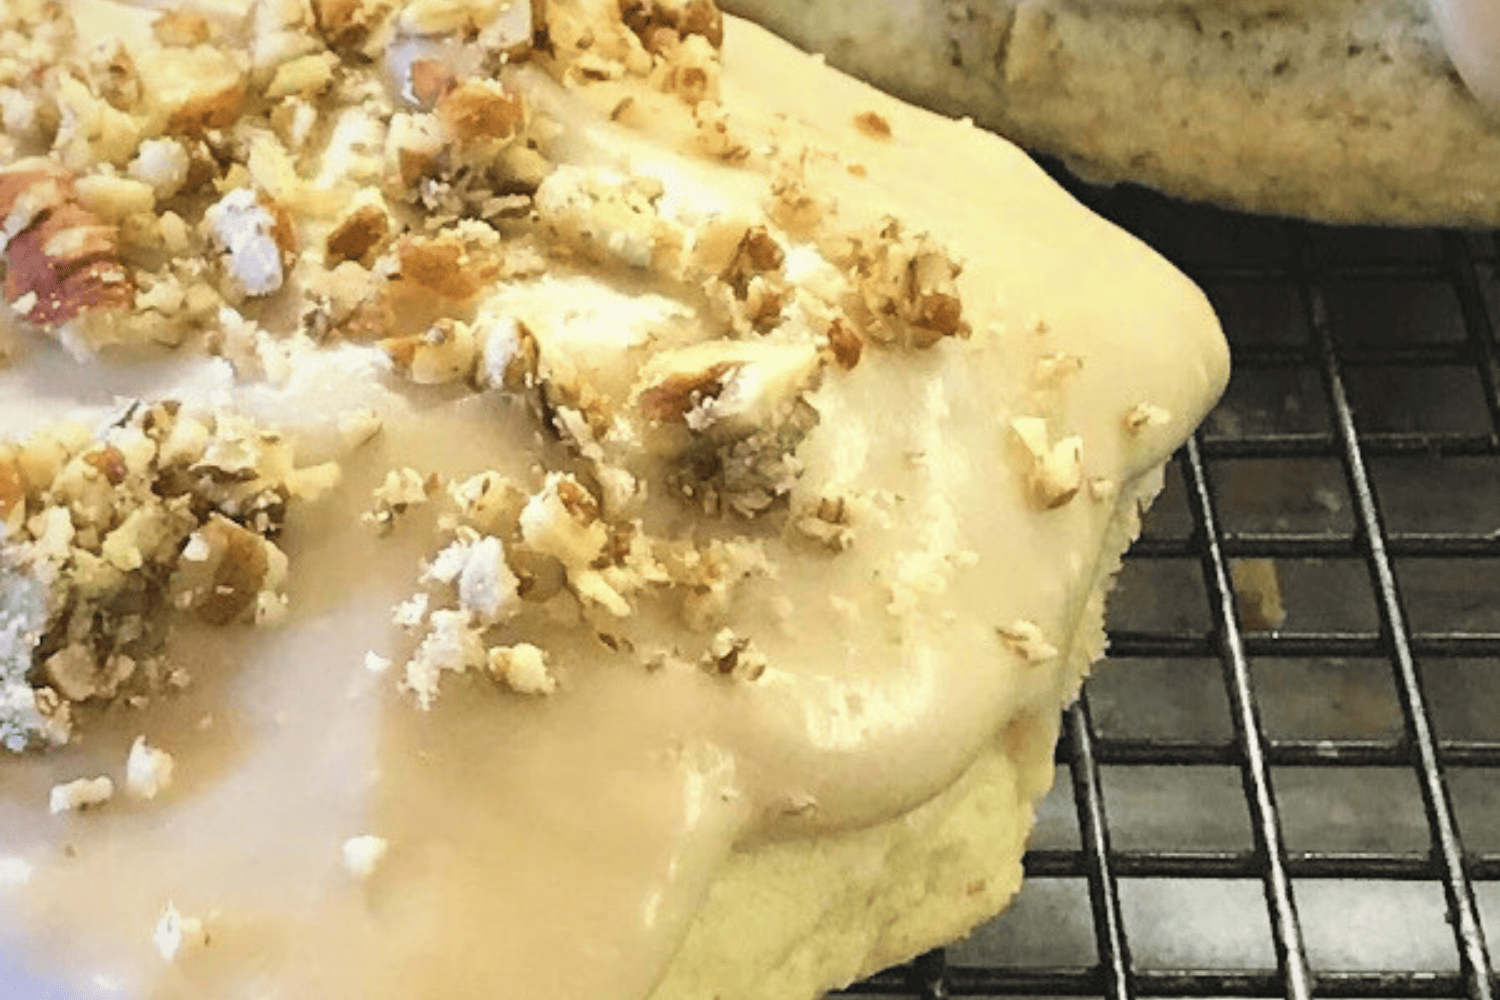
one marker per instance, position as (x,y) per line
(1248,807)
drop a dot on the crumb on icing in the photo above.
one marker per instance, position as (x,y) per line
(176,933)
(1144,417)
(828,522)
(1026,639)
(107,532)
(735,656)
(873,124)
(400,491)
(149,770)
(80,794)
(1054,472)
(363,855)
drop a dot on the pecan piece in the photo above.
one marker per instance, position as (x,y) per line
(61,260)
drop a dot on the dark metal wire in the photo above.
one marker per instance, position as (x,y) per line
(1093,826)
(1462,910)
(1286,931)
(1455,264)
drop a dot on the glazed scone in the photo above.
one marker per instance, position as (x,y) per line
(1340,110)
(625,530)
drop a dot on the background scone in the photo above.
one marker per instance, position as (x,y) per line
(1342,110)
(744,472)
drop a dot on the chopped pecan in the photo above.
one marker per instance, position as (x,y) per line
(480,109)
(236,566)
(845,343)
(437,264)
(356,235)
(657,21)
(348,24)
(873,125)
(430,81)
(679,393)
(61,260)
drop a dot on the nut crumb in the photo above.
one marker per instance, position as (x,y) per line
(180,28)
(14,872)
(363,854)
(478,110)
(730,655)
(1146,416)
(446,352)
(400,491)
(148,770)
(907,284)
(523,668)
(828,522)
(1257,594)
(357,235)
(873,124)
(1056,470)
(176,933)
(80,794)
(845,344)
(1026,638)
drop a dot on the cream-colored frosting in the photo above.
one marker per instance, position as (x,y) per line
(559,846)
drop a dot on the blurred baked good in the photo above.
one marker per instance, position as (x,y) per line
(1339,110)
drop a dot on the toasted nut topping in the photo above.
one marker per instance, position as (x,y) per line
(148,770)
(348,24)
(109,462)
(204,88)
(176,933)
(401,490)
(828,522)
(907,284)
(674,397)
(1027,640)
(439,265)
(845,344)
(236,567)
(363,854)
(430,81)
(522,668)
(357,235)
(414,147)
(1056,472)
(446,352)
(730,655)
(660,22)
(61,259)
(1146,416)
(480,109)
(12,486)
(873,125)
(84,793)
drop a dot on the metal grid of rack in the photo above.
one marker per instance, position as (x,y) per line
(1308,807)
